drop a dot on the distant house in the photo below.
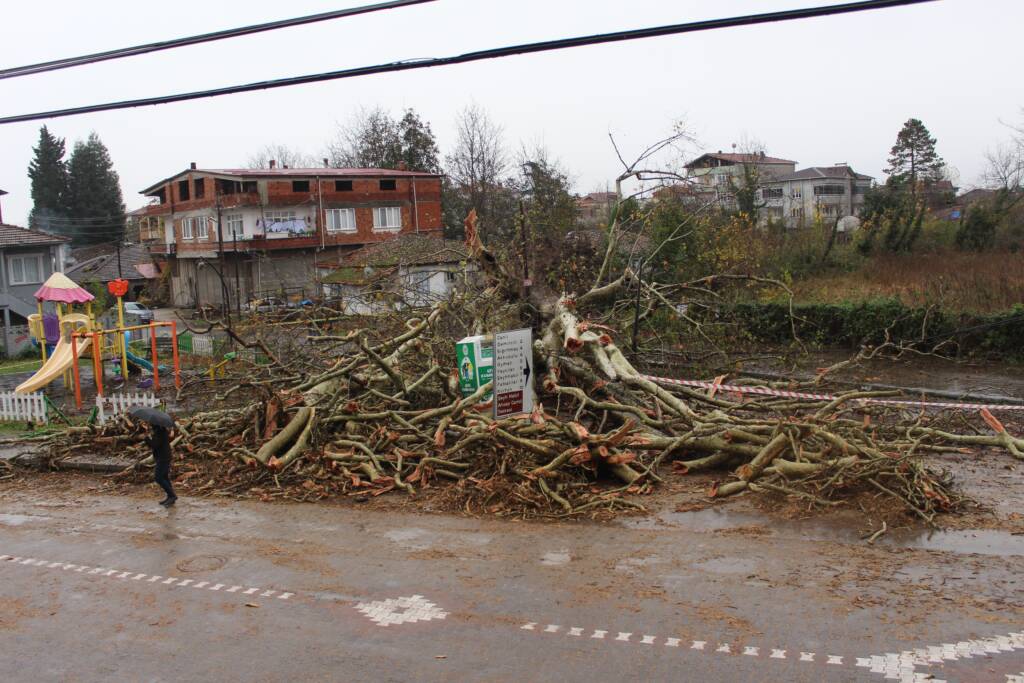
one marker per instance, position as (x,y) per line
(405,271)
(829,192)
(27,258)
(104,263)
(596,207)
(716,174)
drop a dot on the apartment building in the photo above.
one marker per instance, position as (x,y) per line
(716,174)
(238,234)
(826,192)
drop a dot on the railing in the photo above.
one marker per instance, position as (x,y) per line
(23,407)
(108,407)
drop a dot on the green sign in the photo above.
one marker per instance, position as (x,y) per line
(475,359)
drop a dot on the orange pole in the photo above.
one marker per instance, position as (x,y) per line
(156,360)
(97,363)
(78,385)
(174,350)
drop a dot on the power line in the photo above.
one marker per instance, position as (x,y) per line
(494,53)
(69,62)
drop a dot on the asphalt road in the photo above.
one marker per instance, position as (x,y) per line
(101,588)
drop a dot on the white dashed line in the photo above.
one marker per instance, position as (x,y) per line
(599,634)
(103,572)
(903,666)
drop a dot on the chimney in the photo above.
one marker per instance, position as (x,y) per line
(326,163)
(192,165)
(402,166)
(284,165)
(273,163)
(762,155)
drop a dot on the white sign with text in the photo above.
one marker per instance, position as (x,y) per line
(513,373)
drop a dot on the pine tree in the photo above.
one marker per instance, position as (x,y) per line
(95,205)
(419,147)
(913,158)
(49,174)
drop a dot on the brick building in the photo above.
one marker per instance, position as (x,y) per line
(246,233)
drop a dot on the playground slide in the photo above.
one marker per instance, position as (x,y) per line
(54,366)
(139,361)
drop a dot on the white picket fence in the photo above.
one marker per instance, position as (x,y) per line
(202,345)
(22,407)
(108,407)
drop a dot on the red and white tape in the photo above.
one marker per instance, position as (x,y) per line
(801,395)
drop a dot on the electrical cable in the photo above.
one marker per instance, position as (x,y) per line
(69,62)
(493,53)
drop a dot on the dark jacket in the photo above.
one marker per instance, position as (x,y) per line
(160,442)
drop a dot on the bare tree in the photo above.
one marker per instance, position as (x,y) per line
(282,154)
(368,139)
(1004,165)
(478,162)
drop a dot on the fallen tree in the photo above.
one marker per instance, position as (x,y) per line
(376,408)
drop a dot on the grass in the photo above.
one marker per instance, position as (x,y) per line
(953,281)
(10,366)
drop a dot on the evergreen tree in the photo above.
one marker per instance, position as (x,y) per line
(49,174)
(95,205)
(913,158)
(419,147)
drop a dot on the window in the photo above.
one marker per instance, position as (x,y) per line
(25,270)
(829,190)
(861,189)
(183,190)
(722,179)
(202,227)
(387,218)
(772,193)
(162,195)
(342,185)
(798,192)
(186,229)
(797,212)
(199,188)
(271,217)
(300,186)
(235,226)
(341,220)
(388,184)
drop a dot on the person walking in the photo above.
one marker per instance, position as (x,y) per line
(160,443)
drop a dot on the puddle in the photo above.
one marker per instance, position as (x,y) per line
(18,520)
(966,541)
(728,565)
(407,538)
(630,565)
(556,558)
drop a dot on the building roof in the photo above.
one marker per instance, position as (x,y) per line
(600,197)
(403,250)
(734,158)
(16,236)
(303,173)
(839,172)
(136,264)
(2,193)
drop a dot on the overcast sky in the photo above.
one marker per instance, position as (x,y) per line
(817,91)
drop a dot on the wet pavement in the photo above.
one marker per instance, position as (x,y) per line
(103,588)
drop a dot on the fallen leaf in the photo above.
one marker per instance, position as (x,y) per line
(251,604)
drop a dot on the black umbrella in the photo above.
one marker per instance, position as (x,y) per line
(153,416)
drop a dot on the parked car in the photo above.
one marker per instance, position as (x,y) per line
(138,312)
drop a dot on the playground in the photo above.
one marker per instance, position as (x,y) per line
(95,364)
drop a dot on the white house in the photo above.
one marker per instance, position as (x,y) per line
(828,192)
(406,271)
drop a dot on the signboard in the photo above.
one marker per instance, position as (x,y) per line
(513,373)
(475,359)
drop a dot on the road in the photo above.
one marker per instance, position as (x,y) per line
(105,588)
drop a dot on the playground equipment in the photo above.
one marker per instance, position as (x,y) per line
(80,334)
(61,291)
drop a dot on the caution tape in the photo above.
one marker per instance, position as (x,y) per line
(805,396)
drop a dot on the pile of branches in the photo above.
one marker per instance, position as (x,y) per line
(378,409)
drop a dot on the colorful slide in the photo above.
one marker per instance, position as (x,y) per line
(139,361)
(54,366)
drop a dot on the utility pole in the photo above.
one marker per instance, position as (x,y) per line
(119,275)
(238,289)
(225,297)
(526,251)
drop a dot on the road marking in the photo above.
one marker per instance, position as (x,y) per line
(623,636)
(903,666)
(671,642)
(806,656)
(575,631)
(529,627)
(778,654)
(408,610)
(552,628)
(647,640)
(417,613)
(698,645)
(750,651)
(599,634)
(1015,678)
